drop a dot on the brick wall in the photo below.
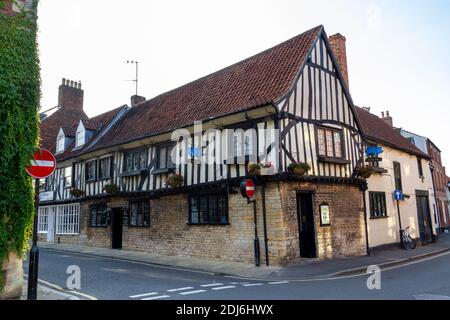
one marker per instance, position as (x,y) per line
(170,234)
(346,234)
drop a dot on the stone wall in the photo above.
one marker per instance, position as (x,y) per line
(170,233)
(346,234)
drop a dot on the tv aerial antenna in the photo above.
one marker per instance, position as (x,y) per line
(136,78)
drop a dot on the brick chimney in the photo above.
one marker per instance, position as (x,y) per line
(135,99)
(70,95)
(338,45)
(387,118)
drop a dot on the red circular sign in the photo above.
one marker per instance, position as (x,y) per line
(42,165)
(248,188)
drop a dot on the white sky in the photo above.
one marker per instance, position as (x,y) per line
(398,51)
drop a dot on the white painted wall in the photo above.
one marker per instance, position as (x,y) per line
(386,230)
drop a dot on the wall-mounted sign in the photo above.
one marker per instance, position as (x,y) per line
(46,196)
(374,151)
(325,214)
(398,195)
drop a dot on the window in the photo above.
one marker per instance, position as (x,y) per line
(68,219)
(104,168)
(49,183)
(377,204)
(139,214)
(79,138)
(419,166)
(98,215)
(237,143)
(67,177)
(135,161)
(165,157)
(43,220)
(208,209)
(60,142)
(91,170)
(329,143)
(397,176)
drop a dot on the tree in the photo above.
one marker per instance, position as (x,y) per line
(19,127)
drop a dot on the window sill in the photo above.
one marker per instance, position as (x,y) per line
(379,170)
(92,180)
(377,218)
(98,226)
(208,224)
(139,227)
(164,170)
(333,160)
(131,173)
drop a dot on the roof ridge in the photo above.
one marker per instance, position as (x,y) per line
(320,27)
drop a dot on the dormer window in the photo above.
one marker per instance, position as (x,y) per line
(60,141)
(80,135)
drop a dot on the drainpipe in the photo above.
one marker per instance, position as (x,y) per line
(266,241)
(365,221)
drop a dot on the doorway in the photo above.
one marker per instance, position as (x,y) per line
(51,223)
(117,223)
(307,234)
(424,217)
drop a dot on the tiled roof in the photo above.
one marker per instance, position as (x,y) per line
(50,126)
(376,129)
(255,81)
(99,122)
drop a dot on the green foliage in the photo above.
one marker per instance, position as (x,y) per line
(19,128)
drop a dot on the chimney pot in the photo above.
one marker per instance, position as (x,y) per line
(70,95)
(382,114)
(387,113)
(135,99)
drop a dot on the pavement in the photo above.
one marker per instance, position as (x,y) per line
(45,292)
(305,270)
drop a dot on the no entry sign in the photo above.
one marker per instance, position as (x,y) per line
(42,165)
(248,188)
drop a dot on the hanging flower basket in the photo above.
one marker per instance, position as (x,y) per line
(254,169)
(175,180)
(75,192)
(365,171)
(111,188)
(299,168)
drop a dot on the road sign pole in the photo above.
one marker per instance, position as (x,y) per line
(399,223)
(34,252)
(256,241)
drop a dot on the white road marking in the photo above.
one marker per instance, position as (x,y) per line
(278,282)
(353,275)
(192,292)
(143,295)
(223,288)
(211,285)
(158,297)
(252,284)
(180,289)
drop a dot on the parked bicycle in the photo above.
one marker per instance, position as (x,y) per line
(407,241)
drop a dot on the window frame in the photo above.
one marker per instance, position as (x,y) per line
(87,171)
(420,167)
(65,184)
(60,143)
(224,197)
(398,179)
(144,203)
(332,130)
(168,146)
(109,169)
(132,153)
(104,221)
(374,198)
(80,141)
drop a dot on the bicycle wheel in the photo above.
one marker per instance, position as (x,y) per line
(411,243)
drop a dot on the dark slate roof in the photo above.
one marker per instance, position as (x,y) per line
(374,128)
(259,80)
